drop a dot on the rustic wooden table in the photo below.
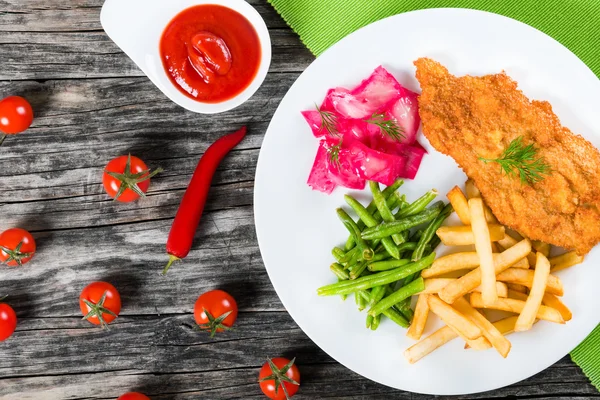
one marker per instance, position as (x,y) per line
(92,103)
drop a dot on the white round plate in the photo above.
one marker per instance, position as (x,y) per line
(297,227)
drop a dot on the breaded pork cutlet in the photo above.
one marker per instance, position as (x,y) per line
(471,117)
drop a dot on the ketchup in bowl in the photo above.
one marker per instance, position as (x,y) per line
(211,53)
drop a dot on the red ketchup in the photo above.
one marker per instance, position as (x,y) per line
(211,53)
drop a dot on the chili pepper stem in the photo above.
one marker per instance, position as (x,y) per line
(172,259)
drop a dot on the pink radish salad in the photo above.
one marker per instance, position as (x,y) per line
(367,133)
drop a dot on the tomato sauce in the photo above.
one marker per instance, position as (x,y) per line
(211,53)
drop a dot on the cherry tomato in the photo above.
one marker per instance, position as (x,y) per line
(16,115)
(133,396)
(17,246)
(276,372)
(100,303)
(127,178)
(215,311)
(8,321)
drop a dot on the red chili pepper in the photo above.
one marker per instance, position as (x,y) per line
(190,210)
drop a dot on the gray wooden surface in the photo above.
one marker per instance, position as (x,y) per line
(92,103)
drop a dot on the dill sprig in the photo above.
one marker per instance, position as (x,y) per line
(521,160)
(328,122)
(334,154)
(388,126)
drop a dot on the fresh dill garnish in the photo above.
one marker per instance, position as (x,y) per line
(328,122)
(521,160)
(334,154)
(388,126)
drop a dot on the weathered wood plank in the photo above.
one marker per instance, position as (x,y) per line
(62,55)
(165,357)
(80,15)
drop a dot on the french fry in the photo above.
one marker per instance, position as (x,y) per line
(420,318)
(565,261)
(470,281)
(454,274)
(463,235)
(516,306)
(474,193)
(522,264)
(432,342)
(525,277)
(531,259)
(481,343)
(501,288)
(505,326)
(481,235)
(490,332)
(551,300)
(434,285)
(461,261)
(495,248)
(471,189)
(507,241)
(455,320)
(517,288)
(536,294)
(517,295)
(459,203)
(541,247)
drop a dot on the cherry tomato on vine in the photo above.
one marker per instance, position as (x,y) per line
(133,396)
(279,378)
(17,246)
(215,311)
(8,321)
(16,115)
(127,178)
(100,303)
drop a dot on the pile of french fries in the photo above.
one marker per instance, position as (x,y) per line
(515,276)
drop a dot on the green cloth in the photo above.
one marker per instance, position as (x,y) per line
(321,23)
(587,356)
(574,23)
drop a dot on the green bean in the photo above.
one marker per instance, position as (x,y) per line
(343,296)
(370,221)
(377,293)
(391,313)
(418,205)
(357,271)
(387,265)
(338,253)
(375,322)
(338,270)
(396,317)
(404,309)
(429,232)
(360,302)
(387,192)
(365,251)
(389,228)
(381,278)
(351,254)
(399,295)
(387,216)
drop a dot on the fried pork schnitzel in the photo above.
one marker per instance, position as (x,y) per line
(471,117)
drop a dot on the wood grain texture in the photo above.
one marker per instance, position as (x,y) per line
(92,104)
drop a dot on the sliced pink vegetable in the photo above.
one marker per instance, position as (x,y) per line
(405,111)
(374,165)
(367,152)
(319,178)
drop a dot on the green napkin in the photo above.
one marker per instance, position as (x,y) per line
(321,23)
(574,23)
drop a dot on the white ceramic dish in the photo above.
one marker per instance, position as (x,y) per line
(297,227)
(136,26)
